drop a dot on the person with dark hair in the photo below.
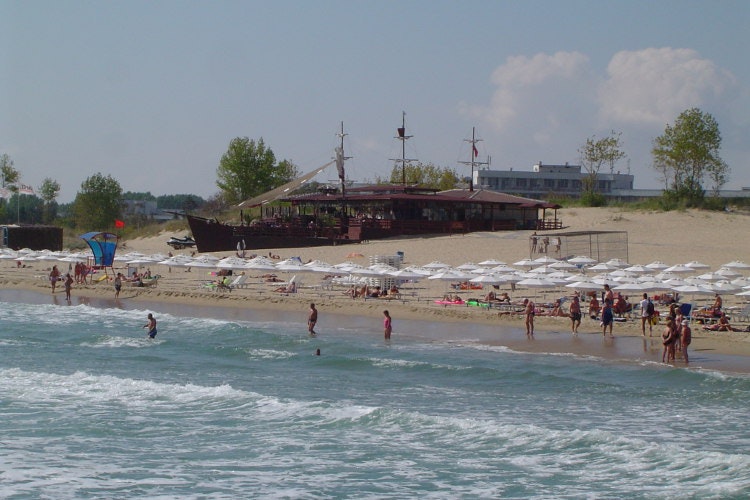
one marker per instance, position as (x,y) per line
(387,325)
(151,325)
(312,318)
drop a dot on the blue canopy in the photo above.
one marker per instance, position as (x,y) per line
(103,245)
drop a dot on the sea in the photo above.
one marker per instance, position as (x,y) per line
(242,407)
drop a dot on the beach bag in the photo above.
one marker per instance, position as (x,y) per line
(650,308)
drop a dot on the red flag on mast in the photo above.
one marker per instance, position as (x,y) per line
(476,151)
(119,224)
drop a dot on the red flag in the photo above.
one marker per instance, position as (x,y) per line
(476,151)
(119,224)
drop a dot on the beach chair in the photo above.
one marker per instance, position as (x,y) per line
(686,310)
(742,315)
(238,282)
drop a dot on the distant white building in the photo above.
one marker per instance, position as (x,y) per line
(543,180)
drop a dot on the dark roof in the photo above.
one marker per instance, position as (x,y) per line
(386,192)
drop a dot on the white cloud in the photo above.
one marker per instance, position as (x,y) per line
(653,86)
(545,106)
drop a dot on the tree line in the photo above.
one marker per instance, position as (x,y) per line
(686,156)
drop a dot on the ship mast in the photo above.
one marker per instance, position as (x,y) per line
(340,159)
(474,153)
(403,138)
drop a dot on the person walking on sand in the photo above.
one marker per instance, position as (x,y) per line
(68,285)
(608,318)
(151,325)
(575,314)
(118,285)
(529,314)
(387,325)
(647,312)
(312,318)
(54,277)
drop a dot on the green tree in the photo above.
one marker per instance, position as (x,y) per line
(48,191)
(97,204)
(595,154)
(427,175)
(9,173)
(130,195)
(249,168)
(687,154)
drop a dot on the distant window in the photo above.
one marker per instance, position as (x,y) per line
(562,183)
(549,183)
(520,182)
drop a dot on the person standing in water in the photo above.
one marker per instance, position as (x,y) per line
(387,325)
(118,285)
(68,285)
(312,318)
(151,325)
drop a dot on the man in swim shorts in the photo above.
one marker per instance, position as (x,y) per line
(151,325)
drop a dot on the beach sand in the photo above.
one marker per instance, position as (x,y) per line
(671,237)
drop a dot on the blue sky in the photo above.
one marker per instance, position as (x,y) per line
(151,92)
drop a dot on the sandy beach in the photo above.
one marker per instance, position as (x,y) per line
(671,237)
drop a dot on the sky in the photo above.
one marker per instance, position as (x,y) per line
(152,92)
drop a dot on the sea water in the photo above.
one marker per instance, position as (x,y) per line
(216,408)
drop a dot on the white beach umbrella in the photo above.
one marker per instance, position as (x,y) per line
(435,265)
(666,276)
(582,259)
(537,283)
(503,268)
(656,265)
(524,263)
(488,279)
(512,277)
(450,275)
(622,273)
(736,264)
(143,261)
(545,260)
(679,269)
(604,281)
(694,290)
(711,277)
(367,271)
(653,286)
(602,267)
(260,266)
(584,285)
(542,270)
(743,294)
(562,265)
(618,263)
(468,266)
(694,264)
(740,282)
(728,273)
(725,287)
(491,263)
(406,274)
(630,287)
(231,263)
(638,269)
(675,282)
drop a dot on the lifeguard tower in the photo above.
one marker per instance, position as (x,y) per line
(103,246)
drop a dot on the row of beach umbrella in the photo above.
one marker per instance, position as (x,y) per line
(580,272)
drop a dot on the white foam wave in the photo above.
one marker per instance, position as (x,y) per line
(115,341)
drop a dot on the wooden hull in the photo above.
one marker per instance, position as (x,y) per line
(213,236)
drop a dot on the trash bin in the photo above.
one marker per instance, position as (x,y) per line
(400,255)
